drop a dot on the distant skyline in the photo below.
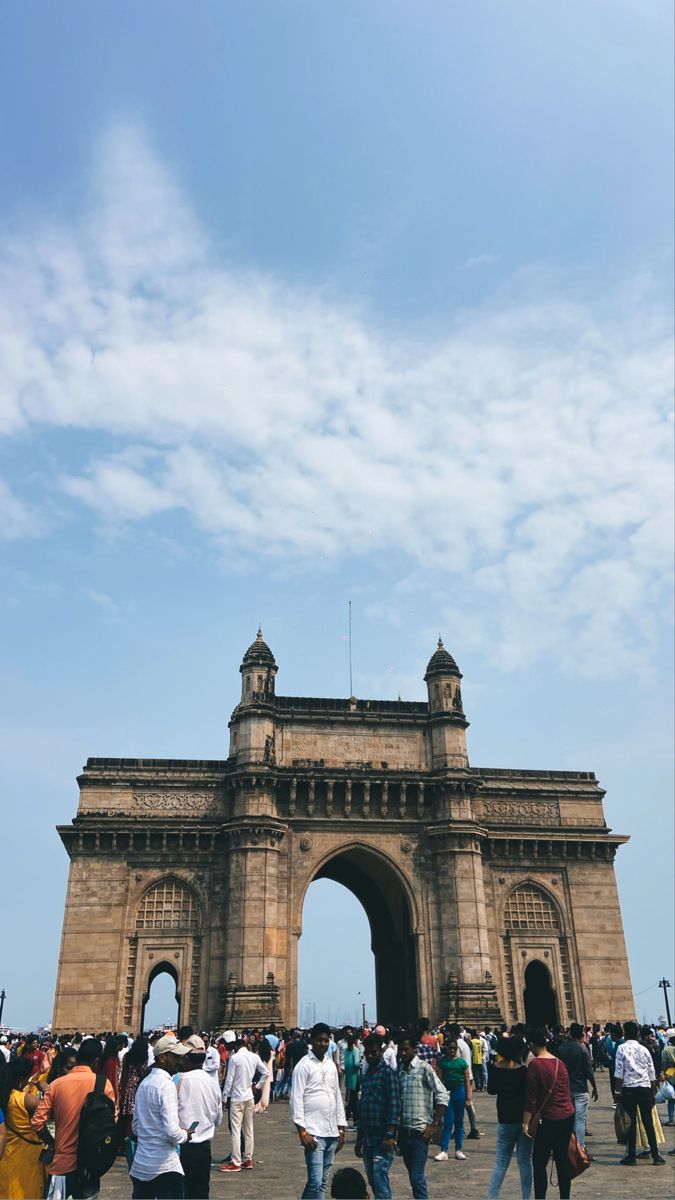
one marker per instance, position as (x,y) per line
(304,304)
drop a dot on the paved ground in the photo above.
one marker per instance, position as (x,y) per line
(279,1164)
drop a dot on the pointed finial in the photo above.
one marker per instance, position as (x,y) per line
(259,636)
(440,642)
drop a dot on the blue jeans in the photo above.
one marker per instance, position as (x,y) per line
(319,1163)
(510,1137)
(415,1152)
(580,1102)
(378,1166)
(671,1110)
(454,1117)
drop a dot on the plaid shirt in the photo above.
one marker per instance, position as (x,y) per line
(421,1093)
(426,1052)
(380,1104)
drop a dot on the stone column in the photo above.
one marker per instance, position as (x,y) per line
(461,939)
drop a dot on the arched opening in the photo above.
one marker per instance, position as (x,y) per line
(336,967)
(539,997)
(378,887)
(161,1002)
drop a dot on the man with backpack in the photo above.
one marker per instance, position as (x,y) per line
(82,1106)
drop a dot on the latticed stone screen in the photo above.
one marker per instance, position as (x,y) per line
(530,908)
(168,905)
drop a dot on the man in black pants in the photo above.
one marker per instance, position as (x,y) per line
(199,1105)
(635,1087)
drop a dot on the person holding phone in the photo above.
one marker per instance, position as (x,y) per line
(200,1111)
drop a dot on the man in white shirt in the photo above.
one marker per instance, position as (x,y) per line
(238,1092)
(4,1048)
(634,1088)
(156,1170)
(199,1104)
(318,1111)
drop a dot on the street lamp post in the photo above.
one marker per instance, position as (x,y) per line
(663,983)
(2,1003)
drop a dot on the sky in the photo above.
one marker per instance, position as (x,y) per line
(304,303)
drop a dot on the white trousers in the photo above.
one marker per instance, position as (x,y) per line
(241,1126)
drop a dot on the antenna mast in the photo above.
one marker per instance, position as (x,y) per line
(351,684)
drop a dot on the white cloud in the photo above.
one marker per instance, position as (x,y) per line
(524,459)
(17,518)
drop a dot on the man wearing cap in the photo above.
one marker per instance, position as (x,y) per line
(157,1172)
(199,1104)
(238,1092)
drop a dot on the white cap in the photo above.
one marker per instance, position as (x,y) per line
(229,1036)
(170,1045)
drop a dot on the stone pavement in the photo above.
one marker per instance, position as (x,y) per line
(279,1165)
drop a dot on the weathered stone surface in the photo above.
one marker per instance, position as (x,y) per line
(473,880)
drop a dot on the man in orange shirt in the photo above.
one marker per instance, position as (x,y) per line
(63,1102)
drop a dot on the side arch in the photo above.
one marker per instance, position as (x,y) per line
(535,934)
(165,967)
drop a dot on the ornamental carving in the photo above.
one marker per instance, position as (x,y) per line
(173,801)
(521,810)
(305,844)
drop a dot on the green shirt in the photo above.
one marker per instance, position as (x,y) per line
(452,1071)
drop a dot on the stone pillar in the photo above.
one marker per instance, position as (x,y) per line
(255,921)
(462,967)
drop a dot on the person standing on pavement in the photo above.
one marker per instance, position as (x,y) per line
(62,1102)
(156,1171)
(378,1119)
(547,1094)
(577,1058)
(317,1111)
(506,1080)
(635,1087)
(453,1031)
(243,1065)
(199,1104)
(423,1102)
(453,1070)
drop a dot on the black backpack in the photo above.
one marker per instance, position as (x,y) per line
(97,1139)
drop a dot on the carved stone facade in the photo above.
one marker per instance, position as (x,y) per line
(490,894)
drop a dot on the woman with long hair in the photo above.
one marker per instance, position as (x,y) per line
(109,1064)
(548,1100)
(134,1069)
(22,1175)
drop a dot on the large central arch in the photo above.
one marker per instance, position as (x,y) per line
(380,888)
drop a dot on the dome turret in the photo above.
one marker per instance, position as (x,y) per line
(441,663)
(258,669)
(258,654)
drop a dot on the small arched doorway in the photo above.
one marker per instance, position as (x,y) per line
(161,1001)
(378,886)
(539,997)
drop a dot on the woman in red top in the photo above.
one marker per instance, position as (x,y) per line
(110,1063)
(547,1092)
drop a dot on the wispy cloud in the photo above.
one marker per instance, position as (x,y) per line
(524,460)
(483,260)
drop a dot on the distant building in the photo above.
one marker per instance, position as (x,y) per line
(490,893)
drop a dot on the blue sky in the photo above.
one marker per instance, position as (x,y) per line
(307,302)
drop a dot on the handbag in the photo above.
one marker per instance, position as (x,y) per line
(536,1116)
(622,1124)
(666,1092)
(577,1158)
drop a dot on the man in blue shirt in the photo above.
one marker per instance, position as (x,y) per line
(379,1115)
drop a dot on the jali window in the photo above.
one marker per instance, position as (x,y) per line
(168,905)
(528,907)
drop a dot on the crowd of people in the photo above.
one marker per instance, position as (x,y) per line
(70,1105)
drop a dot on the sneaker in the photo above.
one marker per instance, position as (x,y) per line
(659,1162)
(473,1136)
(628,1161)
(247,1164)
(230,1167)
(459,1155)
(442,1157)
